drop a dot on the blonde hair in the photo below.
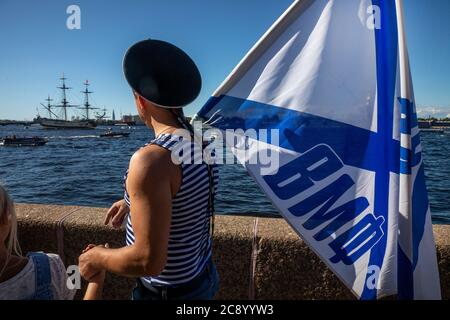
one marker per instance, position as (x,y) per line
(7,211)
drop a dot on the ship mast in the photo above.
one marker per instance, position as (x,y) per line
(87,105)
(64,103)
(104,113)
(49,107)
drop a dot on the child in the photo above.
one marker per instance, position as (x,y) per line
(38,276)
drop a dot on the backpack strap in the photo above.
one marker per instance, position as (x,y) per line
(43,276)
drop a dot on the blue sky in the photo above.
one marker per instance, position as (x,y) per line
(36,47)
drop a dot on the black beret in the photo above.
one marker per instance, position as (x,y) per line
(162,73)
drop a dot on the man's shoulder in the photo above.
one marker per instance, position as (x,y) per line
(151,155)
(151,160)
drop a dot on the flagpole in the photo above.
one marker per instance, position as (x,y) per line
(404,68)
(265,41)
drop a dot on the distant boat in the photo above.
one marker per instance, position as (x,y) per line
(56,123)
(115,134)
(23,142)
(112,134)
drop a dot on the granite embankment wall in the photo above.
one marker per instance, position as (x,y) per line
(257,258)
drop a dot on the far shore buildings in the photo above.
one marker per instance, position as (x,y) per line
(130,119)
(136,120)
(433,123)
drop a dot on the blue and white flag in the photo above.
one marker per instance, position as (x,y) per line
(328,90)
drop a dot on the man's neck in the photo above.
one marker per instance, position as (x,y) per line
(163,122)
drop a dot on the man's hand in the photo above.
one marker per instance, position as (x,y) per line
(116,214)
(87,269)
(100,276)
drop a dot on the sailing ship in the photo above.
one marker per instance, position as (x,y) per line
(56,122)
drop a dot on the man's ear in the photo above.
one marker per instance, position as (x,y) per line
(141,102)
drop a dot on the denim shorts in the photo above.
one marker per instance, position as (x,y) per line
(204,290)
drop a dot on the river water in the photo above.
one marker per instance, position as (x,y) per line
(78,167)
